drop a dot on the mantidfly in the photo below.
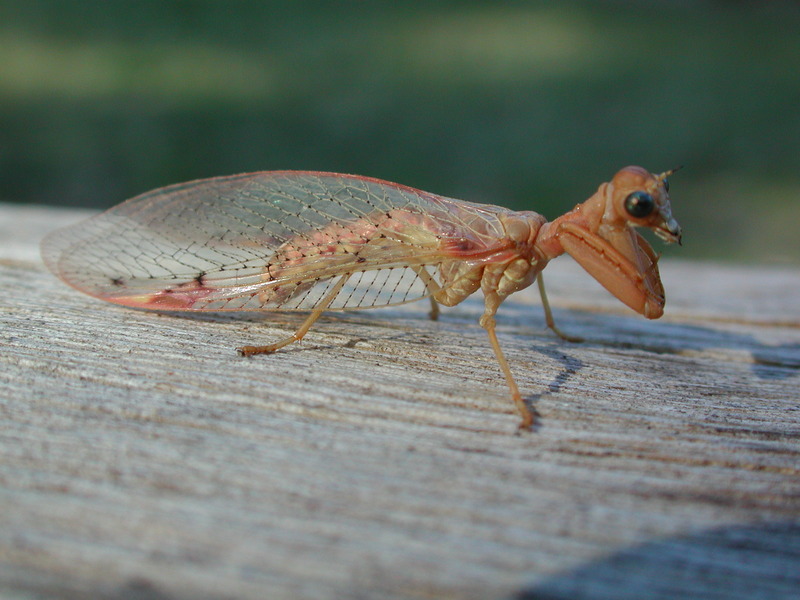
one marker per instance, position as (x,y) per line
(297,240)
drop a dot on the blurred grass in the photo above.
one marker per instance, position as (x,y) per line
(526,104)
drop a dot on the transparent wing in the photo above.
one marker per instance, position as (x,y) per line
(273,240)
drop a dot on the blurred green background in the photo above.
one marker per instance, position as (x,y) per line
(525,104)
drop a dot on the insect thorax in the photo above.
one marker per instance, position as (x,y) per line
(512,267)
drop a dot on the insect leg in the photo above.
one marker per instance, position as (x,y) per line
(431,286)
(488,323)
(548,314)
(434,314)
(303,329)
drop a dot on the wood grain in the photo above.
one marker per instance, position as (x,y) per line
(141,457)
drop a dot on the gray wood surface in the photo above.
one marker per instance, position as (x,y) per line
(141,457)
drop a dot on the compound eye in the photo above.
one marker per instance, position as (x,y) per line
(639,204)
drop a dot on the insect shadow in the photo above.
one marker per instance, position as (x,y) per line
(570,366)
(601,332)
(405,325)
(769,362)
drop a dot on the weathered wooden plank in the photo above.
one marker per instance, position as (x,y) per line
(141,457)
